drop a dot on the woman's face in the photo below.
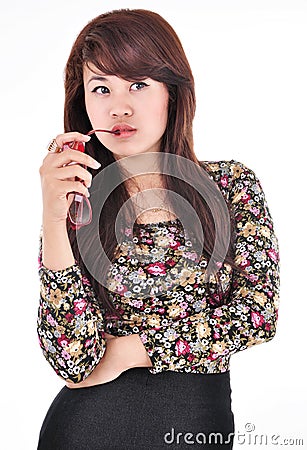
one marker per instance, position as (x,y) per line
(142,106)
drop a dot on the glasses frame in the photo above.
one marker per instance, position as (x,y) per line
(79,199)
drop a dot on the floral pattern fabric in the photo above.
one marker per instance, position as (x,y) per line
(69,323)
(157,283)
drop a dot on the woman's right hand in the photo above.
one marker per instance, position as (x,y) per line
(122,353)
(58,172)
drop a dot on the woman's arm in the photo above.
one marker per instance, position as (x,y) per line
(70,324)
(71,329)
(56,252)
(251,314)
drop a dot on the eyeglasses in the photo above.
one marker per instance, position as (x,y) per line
(80,210)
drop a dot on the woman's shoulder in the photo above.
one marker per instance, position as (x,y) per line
(223,167)
(224,172)
(234,178)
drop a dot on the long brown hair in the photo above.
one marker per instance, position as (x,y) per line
(136,44)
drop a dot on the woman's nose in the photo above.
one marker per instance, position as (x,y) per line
(121,109)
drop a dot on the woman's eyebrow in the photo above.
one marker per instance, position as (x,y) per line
(97,78)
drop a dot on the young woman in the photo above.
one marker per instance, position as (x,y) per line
(138,322)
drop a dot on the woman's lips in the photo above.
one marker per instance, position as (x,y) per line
(123,130)
(124,134)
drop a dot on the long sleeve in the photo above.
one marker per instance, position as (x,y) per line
(250,316)
(70,325)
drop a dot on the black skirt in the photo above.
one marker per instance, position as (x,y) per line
(140,410)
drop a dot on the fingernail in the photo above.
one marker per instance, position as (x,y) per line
(97,164)
(86,137)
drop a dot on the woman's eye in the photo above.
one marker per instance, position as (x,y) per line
(139,85)
(101,90)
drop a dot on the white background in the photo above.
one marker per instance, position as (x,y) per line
(249,62)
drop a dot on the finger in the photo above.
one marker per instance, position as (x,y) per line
(68,156)
(64,173)
(68,187)
(71,136)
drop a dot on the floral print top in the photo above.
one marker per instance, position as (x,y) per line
(161,291)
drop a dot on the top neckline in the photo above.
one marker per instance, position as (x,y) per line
(155,224)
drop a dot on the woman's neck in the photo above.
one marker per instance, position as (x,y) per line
(140,183)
